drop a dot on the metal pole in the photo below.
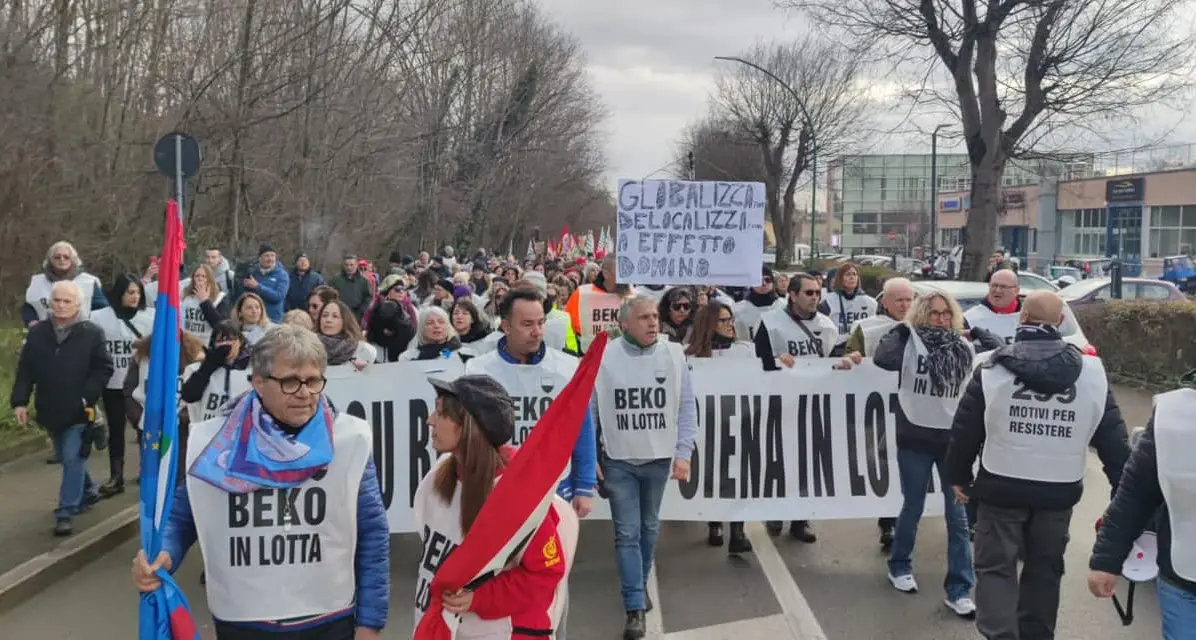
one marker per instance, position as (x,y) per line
(813,192)
(934,195)
(179,193)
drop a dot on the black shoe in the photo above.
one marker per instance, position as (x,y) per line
(89,500)
(634,629)
(800,530)
(714,536)
(114,486)
(739,542)
(886,538)
(63,527)
(774,527)
(648,604)
(53,460)
(971,532)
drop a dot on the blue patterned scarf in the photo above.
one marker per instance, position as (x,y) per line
(251,452)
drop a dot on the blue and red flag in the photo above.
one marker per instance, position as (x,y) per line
(163,613)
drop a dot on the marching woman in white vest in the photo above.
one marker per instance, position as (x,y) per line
(62,263)
(759,300)
(222,376)
(796,330)
(645,443)
(896,299)
(934,355)
(342,337)
(435,338)
(249,315)
(533,374)
(1000,311)
(1159,481)
(713,336)
(472,423)
(846,303)
(1030,412)
(282,496)
(123,323)
(203,305)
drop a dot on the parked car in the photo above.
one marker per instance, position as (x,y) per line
(1027,282)
(1054,272)
(970,294)
(1096,290)
(1091,267)
(1178,271)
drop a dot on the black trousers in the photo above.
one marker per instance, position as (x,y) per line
(114,414)
(339,629)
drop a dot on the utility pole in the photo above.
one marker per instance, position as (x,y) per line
(934,191)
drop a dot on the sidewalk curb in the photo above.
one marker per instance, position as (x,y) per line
(34,576)
(35,443)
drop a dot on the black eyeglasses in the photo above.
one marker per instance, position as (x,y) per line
(290,386)
(813,293)
(680,306)
(727,320)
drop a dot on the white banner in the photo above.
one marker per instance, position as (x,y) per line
(674,232)
(808,443)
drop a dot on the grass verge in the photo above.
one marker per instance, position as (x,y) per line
(11,433)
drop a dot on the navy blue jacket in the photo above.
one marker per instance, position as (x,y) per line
(301,287)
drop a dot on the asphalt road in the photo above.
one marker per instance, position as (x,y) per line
(836,587)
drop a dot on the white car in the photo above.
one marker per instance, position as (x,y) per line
(1027,281)
(970,294)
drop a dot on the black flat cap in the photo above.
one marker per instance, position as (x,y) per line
(485,399)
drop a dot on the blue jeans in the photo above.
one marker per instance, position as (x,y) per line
(1179,611)
(76,481)
(635,492)
(914,469)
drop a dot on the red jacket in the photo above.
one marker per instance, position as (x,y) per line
(525,592)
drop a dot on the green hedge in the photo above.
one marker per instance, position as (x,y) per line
(10,348)
(1149,342)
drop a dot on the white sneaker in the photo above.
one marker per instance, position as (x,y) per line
(963,607)
(905,583)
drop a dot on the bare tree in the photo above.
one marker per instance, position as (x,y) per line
(721,151)
(1022,70)
(790,130)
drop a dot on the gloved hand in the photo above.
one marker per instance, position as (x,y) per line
(215,357)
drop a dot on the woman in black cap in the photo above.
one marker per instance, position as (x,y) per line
(473,422)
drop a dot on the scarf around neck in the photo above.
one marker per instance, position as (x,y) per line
(250,451)
(340,349)
(948,359)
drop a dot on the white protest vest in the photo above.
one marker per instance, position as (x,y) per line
(738,350)
(224,385)
(638,400)
(873,329)
(139,392)
(786,336)
(118,339)
(1003,324)
(747,317)
(1036,436)
(439,526)
(918,400)
(597,311)
(1175,443)
(532,387)
(277,554)
(193,319)
(38,294)
(844,313)
(556,330)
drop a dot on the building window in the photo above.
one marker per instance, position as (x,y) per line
(1172,231)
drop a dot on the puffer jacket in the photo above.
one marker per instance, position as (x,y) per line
(1137,501)
(1046,364)
(890,356)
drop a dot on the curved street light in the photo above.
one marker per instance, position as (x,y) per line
(808,122)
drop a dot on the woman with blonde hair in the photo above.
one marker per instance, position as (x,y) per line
(203,305)
(435,337)
(934,355)
(249,315)
(299,317)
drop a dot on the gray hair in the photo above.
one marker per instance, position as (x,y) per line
(428,312)
(631,302)
(295,343)
(72,286)
(76,261)
(893,283)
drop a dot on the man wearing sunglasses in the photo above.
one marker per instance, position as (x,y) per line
(794,331)
(759,300)
(282,496)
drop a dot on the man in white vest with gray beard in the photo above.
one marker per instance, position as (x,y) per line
(648,423)
(896,298)
(1035,407)
(1000,311)
(282,495)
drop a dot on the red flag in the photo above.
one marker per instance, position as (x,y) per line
(532,475)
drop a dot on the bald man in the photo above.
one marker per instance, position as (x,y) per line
(1030,412)
(1000,310)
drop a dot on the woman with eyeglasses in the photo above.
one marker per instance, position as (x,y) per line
(934,354)
(676,310)
(391,322)
(62,263)
(846,303)
(713,336)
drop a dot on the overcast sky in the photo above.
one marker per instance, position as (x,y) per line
(651,63)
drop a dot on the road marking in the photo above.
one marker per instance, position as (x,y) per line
(774,626)
(802,622)
(654,620)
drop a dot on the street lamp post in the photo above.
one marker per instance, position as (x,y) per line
(934,191)
(808,122)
